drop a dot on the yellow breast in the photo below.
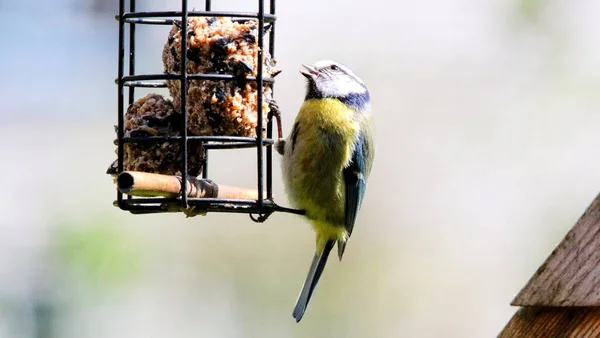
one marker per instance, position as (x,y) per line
(316,157)
(330,115)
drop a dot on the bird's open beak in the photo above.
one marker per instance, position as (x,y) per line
(309,72)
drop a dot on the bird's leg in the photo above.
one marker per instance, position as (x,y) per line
(274,109)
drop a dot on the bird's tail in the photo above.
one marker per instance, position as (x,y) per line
(314,273)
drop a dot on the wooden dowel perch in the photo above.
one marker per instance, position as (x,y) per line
(137,183)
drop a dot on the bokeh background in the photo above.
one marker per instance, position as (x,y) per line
(487,118)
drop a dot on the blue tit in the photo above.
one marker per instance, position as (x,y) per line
(327,159)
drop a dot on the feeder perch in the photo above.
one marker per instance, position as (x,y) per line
(562,299)
(177,188)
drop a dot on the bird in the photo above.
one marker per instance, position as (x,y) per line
(327,159)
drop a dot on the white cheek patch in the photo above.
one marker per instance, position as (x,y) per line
(340,86)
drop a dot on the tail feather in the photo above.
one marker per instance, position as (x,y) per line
(341,244)
(314,273)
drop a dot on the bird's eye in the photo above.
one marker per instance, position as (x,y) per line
(334,67)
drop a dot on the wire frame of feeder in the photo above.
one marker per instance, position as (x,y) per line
(264,205)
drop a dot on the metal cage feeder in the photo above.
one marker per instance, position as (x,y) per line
(264,205)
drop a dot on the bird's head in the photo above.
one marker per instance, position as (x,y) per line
(329,79)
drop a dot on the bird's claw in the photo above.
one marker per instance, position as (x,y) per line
(276,112)
(191,212)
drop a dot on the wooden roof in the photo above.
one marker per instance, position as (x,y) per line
(554,322)
(571,275)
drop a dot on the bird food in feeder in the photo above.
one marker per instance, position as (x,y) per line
(226,62)
(220,46)
(153,115)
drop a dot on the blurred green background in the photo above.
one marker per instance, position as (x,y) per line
(487,117)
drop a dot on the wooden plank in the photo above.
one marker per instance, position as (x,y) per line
(554,322)
(571,275)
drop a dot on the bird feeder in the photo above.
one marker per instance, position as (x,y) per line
(216,63)
(562,299)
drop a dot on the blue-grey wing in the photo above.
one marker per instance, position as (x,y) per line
(355,179)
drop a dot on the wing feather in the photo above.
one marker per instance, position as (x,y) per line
(355,181)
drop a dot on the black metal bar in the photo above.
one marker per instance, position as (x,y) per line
(176,14)
(184,115)
(199,201)
(120,94)
(206,204)
(207,7)
(169,22)
(131,56)
(240,205)
(171,76)
(270,122)
(147,21)
(157,200)
(229,146)
(289,210)
(158,210)
(233,139)
(225,203)
(207,145)
(196,201)
(269,157)
(145,84)
(259,100)
(131,52)
(205,165)
(144,210)
(272,33)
